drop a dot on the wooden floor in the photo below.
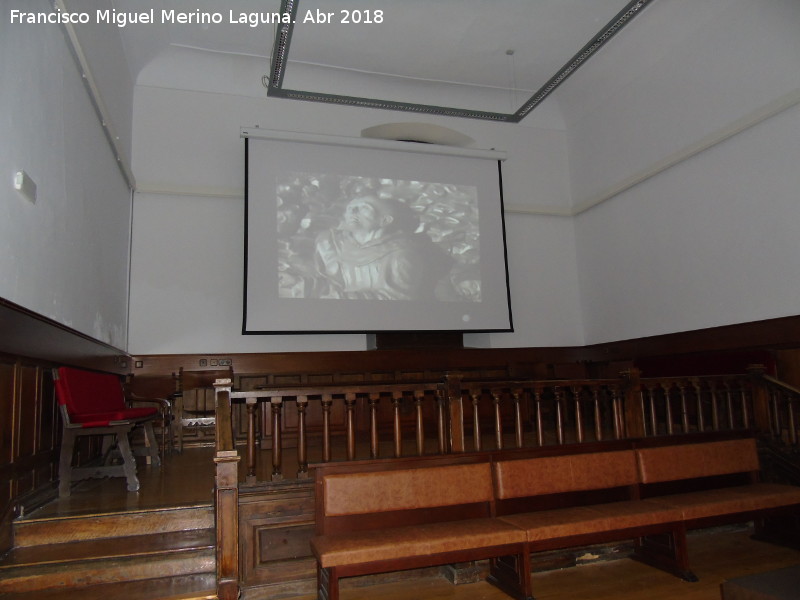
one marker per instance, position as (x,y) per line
(185,479)
(715,557)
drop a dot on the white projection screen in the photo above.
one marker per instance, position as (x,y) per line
(376,236)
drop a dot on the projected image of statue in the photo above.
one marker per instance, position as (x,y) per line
(391,240)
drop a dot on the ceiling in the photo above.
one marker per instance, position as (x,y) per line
(486,59)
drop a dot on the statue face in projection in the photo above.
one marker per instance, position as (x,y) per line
(364,217)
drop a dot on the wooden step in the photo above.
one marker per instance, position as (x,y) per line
(58,530)
(185,587)
(102,561)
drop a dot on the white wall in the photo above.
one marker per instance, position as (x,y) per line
(684,74)
(685,127)
(712,241)
(187,252)
(704,125)
(66,256)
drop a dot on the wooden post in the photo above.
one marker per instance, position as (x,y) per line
(761,400)
(633,408)
(455,412)
(277,441)
(302,438)
(226,496)
(327,400)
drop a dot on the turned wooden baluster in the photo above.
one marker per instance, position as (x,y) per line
(729,404)
(326,402)
(651,400)
(476,421)
(374,446)
(519,433)
(441,421)
(251,405)
(419,398)
(350,424)
(792,425)
(559,414)
(681,385)
(302,439)
(576,394)
(712,394)
(397,398)
(668,402)
(777,427)
(745,410)
(598,416)
(616,403)
(497,396)
(277,443)
(537,402)
(701,420)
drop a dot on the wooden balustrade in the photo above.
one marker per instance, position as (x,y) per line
(300,426)
(782,402)
(678,405)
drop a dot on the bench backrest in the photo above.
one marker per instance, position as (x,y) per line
(402,495)
(558,476)
(694,461)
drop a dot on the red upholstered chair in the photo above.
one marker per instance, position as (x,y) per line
(94,404)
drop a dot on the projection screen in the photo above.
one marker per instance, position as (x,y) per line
(352,235)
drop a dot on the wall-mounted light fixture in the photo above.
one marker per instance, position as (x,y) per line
(25,185)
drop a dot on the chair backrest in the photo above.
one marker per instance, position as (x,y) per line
(86,392)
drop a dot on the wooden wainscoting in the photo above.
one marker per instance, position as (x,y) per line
(29,439)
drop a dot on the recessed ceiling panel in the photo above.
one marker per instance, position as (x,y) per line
(492,59)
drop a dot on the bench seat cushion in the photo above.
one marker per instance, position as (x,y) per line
(580,520)
(401,542)
(725,501)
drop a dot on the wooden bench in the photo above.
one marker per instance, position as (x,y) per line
(716,483)
(588,497)
(395,515)
(380,517)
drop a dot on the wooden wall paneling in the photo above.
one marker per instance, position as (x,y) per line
(788,366)
(275,527)
(7,434)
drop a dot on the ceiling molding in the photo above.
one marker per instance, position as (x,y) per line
(712,139)
(280,62)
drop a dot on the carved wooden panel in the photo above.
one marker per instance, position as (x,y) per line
(275,528)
